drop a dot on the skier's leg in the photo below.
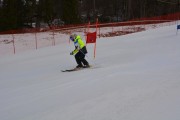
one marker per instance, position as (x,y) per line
(78,59)
(83,60)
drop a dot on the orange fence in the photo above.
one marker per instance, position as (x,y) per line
(51,37)
(173,16)
(138,21)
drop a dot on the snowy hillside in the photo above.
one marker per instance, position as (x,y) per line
(136,78)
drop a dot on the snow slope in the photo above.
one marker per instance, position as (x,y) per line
(137,78)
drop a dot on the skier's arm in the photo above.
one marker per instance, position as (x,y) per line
(75,51)
(77,48)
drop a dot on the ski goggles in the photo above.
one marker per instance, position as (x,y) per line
(71,38)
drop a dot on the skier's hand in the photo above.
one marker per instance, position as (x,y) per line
(71,53)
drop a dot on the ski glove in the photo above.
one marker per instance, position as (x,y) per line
(71,53)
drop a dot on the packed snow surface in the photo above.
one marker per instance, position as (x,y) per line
(134,77)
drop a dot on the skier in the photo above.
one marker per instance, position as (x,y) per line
(79,52)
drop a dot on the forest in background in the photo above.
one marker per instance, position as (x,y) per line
(24,13)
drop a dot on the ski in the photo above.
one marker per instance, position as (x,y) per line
(70,70)
(75,69)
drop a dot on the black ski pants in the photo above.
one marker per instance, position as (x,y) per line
(80,58)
